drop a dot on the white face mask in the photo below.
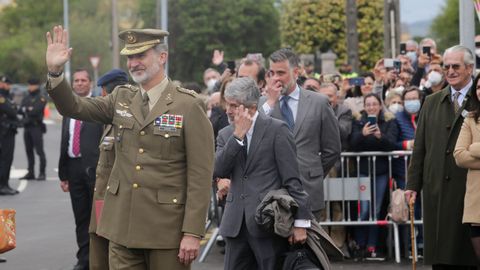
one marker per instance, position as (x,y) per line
(394,108)
(434,78)
(210,84)
(399,90)
(412,56)
(477,52)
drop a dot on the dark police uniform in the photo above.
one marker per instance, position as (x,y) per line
(8,129)
(32,109)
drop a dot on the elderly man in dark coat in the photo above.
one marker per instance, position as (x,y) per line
(433,169)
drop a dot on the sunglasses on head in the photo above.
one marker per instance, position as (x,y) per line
(454,66)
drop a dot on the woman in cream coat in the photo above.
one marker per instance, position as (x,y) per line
(467,155)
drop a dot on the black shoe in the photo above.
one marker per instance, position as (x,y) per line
(7,191)
(2,260)
(28,176)
(41,177)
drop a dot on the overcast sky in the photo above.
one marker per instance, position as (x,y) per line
(419,10)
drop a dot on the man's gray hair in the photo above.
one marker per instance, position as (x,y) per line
(243,90)
(285,54)
(468,58)
(162,47)
(412,42)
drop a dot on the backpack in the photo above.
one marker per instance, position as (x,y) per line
(398,209)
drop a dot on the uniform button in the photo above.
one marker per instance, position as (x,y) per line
(94,189)
(141,151)
(448,127)
(96,175)
(245,177)
(138,167)
(174,200)
(108,187)
(121,126)
(135,185)
(447,178)
(142,132)
(447,152)
(167,136)
(242,196)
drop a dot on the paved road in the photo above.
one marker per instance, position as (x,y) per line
(45,226)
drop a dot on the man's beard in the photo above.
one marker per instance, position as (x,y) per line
(147,74)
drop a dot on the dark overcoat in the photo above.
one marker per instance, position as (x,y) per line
(433,171)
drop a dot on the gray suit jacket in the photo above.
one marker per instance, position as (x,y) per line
(317,138)
(270,165)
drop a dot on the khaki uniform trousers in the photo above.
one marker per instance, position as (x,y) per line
(123,258)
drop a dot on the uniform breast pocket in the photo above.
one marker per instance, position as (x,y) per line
(123,132)
(167,141)
(107,152)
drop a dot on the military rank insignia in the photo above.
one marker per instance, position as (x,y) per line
(169,122)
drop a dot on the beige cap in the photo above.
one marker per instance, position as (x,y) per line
(140,40)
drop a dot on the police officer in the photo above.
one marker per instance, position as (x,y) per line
(99,245)
(159,189)
(8,129)
(32,109)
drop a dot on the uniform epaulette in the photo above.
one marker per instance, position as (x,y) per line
(187,91)
(131,87)
(388,116)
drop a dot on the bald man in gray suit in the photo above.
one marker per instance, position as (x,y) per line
(311,119)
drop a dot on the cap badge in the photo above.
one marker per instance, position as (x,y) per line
(131,38)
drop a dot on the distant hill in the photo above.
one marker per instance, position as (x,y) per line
(420,28)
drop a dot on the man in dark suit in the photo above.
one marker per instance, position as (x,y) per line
(433,169)
(311,119)
(258,154)
(76,168)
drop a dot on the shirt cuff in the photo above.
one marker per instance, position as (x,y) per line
(238,141)
(194,235)
(266,108)
(302,223)
(55,81)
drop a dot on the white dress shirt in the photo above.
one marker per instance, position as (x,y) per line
(463,92)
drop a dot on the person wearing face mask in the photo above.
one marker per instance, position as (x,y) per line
(412,48)
(435,80)
(210,79)
(407,124)
(393,101)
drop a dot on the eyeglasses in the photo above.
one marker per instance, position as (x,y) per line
(454,66)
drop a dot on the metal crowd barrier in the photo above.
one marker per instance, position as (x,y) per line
(348,189)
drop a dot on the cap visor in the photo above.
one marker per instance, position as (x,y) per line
(135,50)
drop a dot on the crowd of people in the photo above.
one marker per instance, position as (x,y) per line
(139,161)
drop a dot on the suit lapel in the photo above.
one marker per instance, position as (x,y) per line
(261,125)
(162,105)
(303,107)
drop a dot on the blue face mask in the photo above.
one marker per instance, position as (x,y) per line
(412,106)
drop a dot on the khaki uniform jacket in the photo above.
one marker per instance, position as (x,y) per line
(103,171)
(433,171)
(159,187)
(467,155)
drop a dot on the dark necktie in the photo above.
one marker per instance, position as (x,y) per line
(245,145)
(76,138)
(145,107)
(456,106)
(287,112)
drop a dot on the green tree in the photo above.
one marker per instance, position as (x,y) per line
(445,26)
(236,27)
(309,26)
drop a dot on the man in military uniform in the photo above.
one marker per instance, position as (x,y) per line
(98,244)
(8,130)
(158,192)
(32,109)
